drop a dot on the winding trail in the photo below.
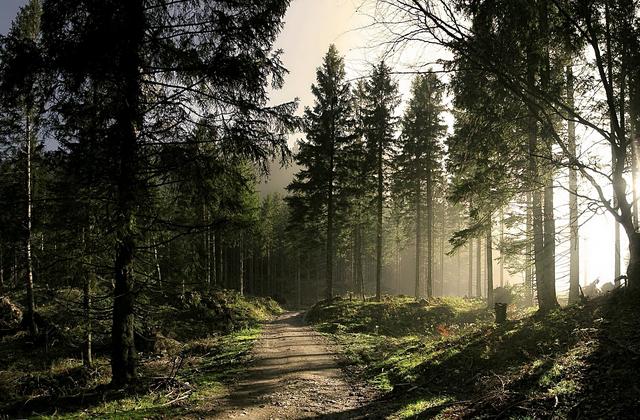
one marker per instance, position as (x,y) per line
(294,375)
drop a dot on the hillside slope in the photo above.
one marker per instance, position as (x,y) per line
(446,358)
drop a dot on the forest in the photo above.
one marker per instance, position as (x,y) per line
(423,261)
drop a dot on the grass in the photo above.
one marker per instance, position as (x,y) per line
(202,345)
(446,358)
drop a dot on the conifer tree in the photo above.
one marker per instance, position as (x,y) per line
(419,162)
(380,121)
(329,126)
(23,96)
(157,82)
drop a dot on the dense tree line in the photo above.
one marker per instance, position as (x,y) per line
(529,79)
(529,82)
(133,135)
(372,185)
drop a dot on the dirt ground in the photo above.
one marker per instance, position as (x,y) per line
(294,375)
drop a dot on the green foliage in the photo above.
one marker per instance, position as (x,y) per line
(580,359)
(421,151)
(213,351)
(395,316)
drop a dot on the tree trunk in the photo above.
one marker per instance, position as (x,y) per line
(398,264)
(225,267)
(549,228)
(501,248)
(1,268)
(329,251)
(633,269)
(442,233)
(550,241)
(217,256)
(124,357)
(157,263)
(489,252)
(470,285)
(317,282)
(429,192)
(609,58)
(308,270)
(479,267)
(359,262)
(88,276)
(634,133)
(14,270)
(380,204)
(536,196)
(298,285)
(241,268)
(574,238)
(418,241)
(207,246)
(86,306)
(31,306)
(459,284)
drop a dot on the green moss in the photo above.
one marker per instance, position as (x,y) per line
(449,350)
(420,405)
(214,355)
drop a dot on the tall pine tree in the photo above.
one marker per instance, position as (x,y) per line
(329,127)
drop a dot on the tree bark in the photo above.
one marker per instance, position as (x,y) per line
(528,274)
(86,306)
(501,248)
(429,192)
(541,273)
(634,133)
(330,221)
(574,238)
(31,306)
(418,240)
(207,247)
(549,228)
(442,234)
(157,264)
(298,285)
(359,262)
(124,356)
(470,285)
(550,241)
(217,256)
(241,268)
(489,262)
(479,267)
(1,268)
(380,204)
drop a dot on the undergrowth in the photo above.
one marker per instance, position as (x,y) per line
(447,359)
(191,348)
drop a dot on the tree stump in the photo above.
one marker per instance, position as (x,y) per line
(501,313)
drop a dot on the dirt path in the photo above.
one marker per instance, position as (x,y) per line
(294,375)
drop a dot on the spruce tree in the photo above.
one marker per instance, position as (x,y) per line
(329,127)
(419,162)
(23,91)
(380,121)
(157,83)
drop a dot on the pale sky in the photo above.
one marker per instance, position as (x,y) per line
(8,10)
